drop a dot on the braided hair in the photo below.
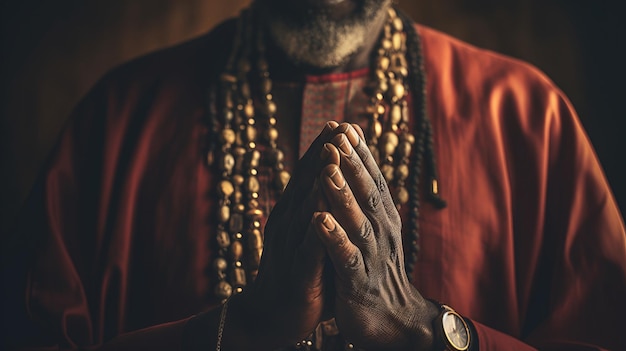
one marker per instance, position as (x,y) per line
(424,155)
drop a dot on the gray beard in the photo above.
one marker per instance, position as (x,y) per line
(318,40)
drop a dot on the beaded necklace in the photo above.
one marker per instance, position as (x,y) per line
(241,124)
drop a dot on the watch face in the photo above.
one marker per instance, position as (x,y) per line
(455,330)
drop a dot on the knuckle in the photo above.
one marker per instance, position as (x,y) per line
(353,261)
(373,200)
(380,182)
(366,231)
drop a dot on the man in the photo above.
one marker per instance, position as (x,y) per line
(152,207)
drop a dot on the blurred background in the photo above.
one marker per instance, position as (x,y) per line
(54,51)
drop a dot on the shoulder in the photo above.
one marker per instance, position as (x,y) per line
(470,83)
(460,66)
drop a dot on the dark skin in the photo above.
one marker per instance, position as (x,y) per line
(348,215)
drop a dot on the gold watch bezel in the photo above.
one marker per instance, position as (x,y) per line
(448,342)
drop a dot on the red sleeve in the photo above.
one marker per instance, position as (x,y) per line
(577,294)
(63,285)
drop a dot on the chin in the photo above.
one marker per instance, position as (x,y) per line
(320,33)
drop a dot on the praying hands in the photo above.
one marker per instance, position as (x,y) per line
(336,205)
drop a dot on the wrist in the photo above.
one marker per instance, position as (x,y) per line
(422,332)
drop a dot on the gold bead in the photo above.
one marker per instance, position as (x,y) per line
(255,240)
(405,149)
(220,264)
(223,239)
(401,195)
(282,180)
(402,172)
(226,188)
(224,214)
(383,85)
(391,12)
(387,44)
(408,137)
(228,162)
(239,208)
(405,113)
(238,179)
(248,110)
(270,108)
(378,129)
(228,136)
(254,213)
(237,196)
(223,290)
(272,121)
(380,74)
(250,133)
(396,114)
(239,151)
(253,203)
(272,134)
(236,222)
(387,171)
(398,90)
(397,24)
(255,158)
(396,41)
(391,139)
(239,277)
(380,109)
(253,184)
(236,250)
(383,63)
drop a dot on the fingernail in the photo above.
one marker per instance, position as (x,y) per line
(332,125)
(353,136)
(325,152)
(337,178)
(344,144)
(328,223)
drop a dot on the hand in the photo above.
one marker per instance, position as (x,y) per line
(286,301)
(376,306)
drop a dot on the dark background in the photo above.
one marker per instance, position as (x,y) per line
(53,51)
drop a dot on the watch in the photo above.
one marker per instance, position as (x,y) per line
(451,331)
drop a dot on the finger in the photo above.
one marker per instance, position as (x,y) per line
(301,220)
(361,183)
(309,165)
(291,201)
(359,130)
(364,153)
(330,154)
(346,210)
(346,257)
(308,265)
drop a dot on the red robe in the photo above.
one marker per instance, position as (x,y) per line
(116,236)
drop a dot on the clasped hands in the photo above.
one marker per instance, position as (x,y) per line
(337,212)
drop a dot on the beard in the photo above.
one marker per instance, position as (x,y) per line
(312,36)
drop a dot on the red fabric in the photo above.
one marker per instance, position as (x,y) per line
(116,236)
